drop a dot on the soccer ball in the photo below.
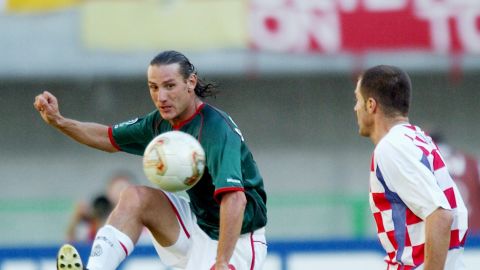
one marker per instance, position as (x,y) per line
(174,161)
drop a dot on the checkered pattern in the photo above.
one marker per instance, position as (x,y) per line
(400,231)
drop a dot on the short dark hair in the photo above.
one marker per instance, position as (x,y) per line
(390,86)
(202,89)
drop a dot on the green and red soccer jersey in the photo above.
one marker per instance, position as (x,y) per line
(229,163)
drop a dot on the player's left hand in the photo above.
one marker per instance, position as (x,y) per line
(223,266)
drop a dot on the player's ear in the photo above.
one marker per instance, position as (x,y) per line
(192,82)
(371,105)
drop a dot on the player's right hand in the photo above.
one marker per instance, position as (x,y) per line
(47,105)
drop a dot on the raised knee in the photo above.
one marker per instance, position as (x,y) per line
(133,198)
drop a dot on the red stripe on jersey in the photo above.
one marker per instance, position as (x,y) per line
(437,160)
(412,218)
(112,140)
(420,139)
(412,127)
(201,128)
(221,191)
(424,150)
(450,194)
(381,201)
(184,122)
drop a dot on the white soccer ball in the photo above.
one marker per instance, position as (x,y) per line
(174,161)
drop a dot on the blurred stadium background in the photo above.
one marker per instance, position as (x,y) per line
(286,70)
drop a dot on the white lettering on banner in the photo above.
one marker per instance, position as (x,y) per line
(438,13)
(439,29)
(290,29)
(382,5)
(324,31)
(316,25)
(274,30)
(469,30)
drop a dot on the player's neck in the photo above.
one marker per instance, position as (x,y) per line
(383,126)
(189,113)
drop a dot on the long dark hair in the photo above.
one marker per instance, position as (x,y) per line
(202,89)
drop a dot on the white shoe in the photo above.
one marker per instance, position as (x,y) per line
(68,258)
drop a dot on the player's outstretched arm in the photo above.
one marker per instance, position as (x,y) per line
(437,238)
(232,208)
(91,134)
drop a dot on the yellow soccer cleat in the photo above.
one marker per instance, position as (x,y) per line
(68,258)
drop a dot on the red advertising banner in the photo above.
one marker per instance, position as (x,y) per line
(355,26)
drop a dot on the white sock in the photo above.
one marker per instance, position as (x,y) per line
(109,249)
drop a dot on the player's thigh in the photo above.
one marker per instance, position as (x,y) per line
(154,211)
(177,254)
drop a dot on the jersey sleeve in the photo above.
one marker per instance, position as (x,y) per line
(405,174)
(224,160)
(134,135)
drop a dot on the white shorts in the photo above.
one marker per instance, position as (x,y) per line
(195,250)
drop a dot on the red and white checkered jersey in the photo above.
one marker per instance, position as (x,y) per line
(408,181)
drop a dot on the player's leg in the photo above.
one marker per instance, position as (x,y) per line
(141,206)
(138,207)
(178,254)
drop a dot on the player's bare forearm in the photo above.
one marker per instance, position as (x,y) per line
(91,134)
(231,217)
(437,238)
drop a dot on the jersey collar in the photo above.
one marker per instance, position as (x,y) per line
(184,122)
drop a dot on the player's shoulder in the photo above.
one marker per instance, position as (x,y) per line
(213,112)
(136,121)
(398,138)
(217,119)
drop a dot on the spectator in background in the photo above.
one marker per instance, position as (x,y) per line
(88,217)
(464,168)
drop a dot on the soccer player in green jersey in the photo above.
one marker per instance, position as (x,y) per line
(222,226)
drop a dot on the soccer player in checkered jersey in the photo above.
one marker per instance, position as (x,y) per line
(222,227)
(420,216)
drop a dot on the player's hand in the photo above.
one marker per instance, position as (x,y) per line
(223,266)
(47,105)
